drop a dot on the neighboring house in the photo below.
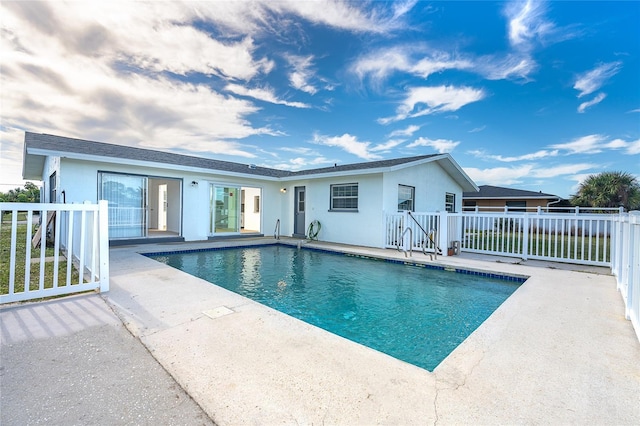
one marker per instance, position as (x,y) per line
(495,198)
(159,196)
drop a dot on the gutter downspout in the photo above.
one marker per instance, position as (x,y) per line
(553,202)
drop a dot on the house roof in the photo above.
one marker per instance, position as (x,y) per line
(488,192)
(38,146)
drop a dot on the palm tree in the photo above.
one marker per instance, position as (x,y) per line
(609,189)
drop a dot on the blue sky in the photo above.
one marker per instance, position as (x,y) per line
(528,95)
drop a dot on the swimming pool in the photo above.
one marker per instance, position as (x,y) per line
(412,313)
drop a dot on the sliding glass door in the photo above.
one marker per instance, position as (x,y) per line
(234,209)
(127,197)
(225,209)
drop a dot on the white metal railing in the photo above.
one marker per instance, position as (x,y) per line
(544,209)
(625,263)
(76,260)
(424,227)
(570,238)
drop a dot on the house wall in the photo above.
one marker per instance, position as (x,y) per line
(431,184)
(79,180)
(363,227)
(358,228)
(251,220)
(378,193)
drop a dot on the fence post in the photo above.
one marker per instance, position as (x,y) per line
(103,251)
(631,266)
(443,234)
(525,235)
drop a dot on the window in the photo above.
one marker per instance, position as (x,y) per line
(406,197)
(450,202)
(344,196)
(300,202)
(53,187)
(516,206)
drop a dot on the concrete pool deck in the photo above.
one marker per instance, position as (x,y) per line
(557,351)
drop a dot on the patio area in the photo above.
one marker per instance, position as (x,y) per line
(559,350)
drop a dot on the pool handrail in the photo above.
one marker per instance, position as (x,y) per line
(408,228)
(276,231)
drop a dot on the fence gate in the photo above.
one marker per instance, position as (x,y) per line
(53,249)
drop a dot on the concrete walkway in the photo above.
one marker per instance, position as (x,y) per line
(71,361)
(558,351)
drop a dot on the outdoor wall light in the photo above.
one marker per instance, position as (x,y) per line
(283,190)
(194,183)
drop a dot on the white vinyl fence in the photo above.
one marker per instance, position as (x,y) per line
(583,238)
(53,249)
(559,237)
(626,264)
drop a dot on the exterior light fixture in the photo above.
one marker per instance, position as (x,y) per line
(194,183)
(283,190)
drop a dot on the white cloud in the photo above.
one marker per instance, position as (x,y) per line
(591,144)
(387,146)
(561,170)
(599,98)
(380,64)
(378,18)
(493,67)
(407,131)
(299,163)
(429,100)
(514,175)
(348,143)
(594,79)
(301,74)
(299,150)
(477,129)
(498,175)
(440,145)
(264,94)
(415,60)
(633,147)
(525,157)
(526,22)
(86,81)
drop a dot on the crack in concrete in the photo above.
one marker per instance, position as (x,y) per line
(453,385)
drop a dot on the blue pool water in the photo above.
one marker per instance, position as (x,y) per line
(412,313)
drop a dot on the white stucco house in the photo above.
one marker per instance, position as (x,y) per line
(159,196)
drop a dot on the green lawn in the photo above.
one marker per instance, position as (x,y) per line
(553,245)
(21,247)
